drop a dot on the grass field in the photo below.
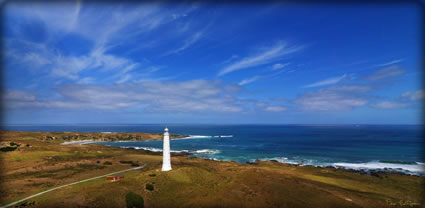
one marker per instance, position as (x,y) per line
(40,164)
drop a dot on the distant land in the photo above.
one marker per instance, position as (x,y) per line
(94,136)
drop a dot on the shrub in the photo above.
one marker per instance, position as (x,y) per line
(107,163)
(149,187)
(152,175)
(129,162)
(8,149)
(89,166)
(133,200)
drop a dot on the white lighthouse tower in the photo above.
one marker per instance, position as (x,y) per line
(166,160)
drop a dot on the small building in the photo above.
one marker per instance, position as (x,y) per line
(114,178)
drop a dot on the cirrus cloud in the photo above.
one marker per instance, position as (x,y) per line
(392,71)
(329,81)
(264,57)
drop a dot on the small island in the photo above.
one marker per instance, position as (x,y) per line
(32,163)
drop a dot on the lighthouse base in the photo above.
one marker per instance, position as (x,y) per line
(166,168)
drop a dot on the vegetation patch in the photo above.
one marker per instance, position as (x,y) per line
(90,166)
(134,200)
(14,144)
(8,149)
(149,187)
(133,164)
(107,163)
(27,204)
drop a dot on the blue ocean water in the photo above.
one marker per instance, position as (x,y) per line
(398,147)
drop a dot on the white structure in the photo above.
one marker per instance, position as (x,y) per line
(166,160)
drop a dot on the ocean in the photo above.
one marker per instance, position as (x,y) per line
(397,148)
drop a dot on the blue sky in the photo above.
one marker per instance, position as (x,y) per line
(82,62)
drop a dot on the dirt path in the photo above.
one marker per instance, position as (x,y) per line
(70,184)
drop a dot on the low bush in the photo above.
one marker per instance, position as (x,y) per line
(149,187)
(7,149)
(134,200)
(13,144)
(89,166)
(107,163)
(130,162)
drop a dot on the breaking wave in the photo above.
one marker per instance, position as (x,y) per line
(152,149)
(204,137)
(413,168)
(203,151)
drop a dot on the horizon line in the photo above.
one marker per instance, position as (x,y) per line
(120,124)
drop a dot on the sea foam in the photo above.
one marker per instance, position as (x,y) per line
(416,168)
(204,137)
(376,165)
(202,151)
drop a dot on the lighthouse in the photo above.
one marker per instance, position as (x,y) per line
(166,160)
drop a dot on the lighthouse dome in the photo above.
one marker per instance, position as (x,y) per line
(166,129)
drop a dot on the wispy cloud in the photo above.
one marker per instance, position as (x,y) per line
(259,77)
(329,81)
(189,96)
(264,106)
(392,71)
(233,57)
(339,98)
(148,96)
(17,95)
(86,80)
(194,37)
(417,95)
(275,108)
(279,66)
(404,100)
(249,80)
(187,43)
(70,67)
(264,57)
(389,105)
(390,63)
(84,21)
